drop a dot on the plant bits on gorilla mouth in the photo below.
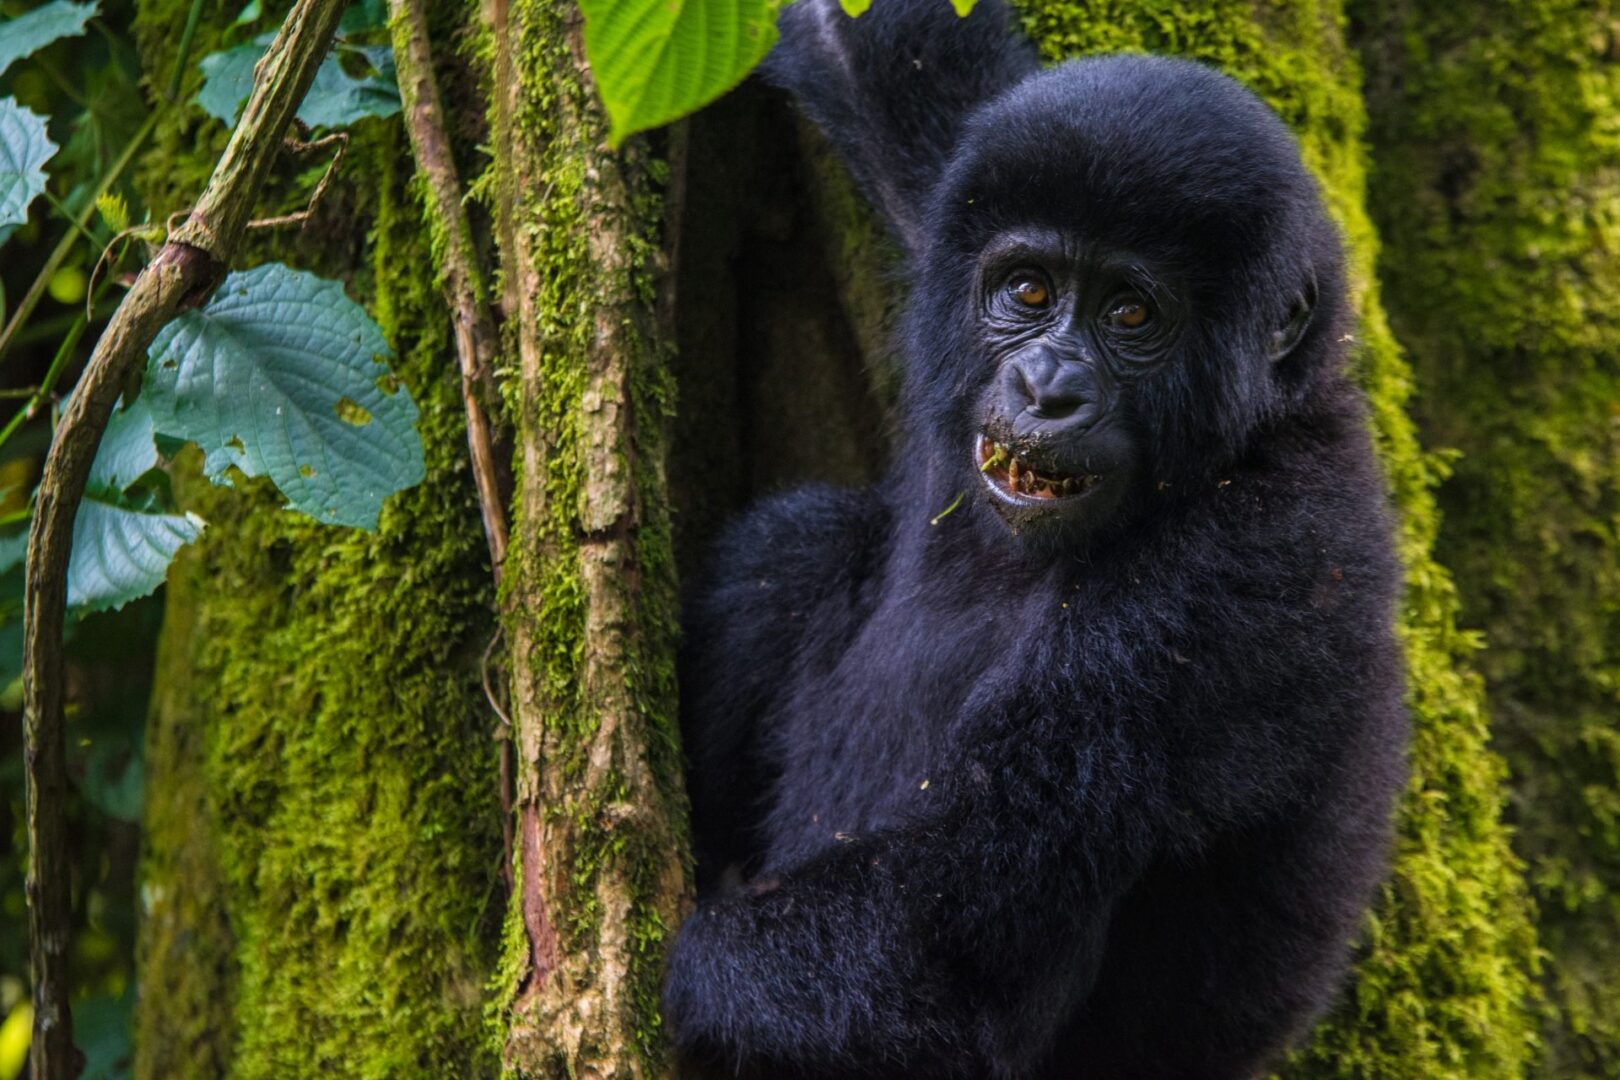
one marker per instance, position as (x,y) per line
(1013,477)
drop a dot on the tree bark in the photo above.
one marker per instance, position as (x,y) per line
(601,868)
(1498,193)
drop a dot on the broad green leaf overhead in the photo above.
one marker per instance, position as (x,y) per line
(335,98)
(24,149)
(121,555)
(282,375)
(657,60)
(28,33)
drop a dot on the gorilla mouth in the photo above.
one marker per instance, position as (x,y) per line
(1013,477)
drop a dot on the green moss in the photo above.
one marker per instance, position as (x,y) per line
(323,849)
(186,958)
(343,736)
(1445,972)
(1498,188)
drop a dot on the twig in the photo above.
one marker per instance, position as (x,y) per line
(338,138)
(503,733)
(183,273)
(477,340)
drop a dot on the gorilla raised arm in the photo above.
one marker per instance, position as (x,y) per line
(1091,776)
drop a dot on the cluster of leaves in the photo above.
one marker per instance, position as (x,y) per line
(280,375)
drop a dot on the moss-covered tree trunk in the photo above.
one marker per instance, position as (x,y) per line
(601,865)
(324,863)
(1498,191)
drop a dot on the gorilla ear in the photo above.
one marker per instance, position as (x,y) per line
(1285,337)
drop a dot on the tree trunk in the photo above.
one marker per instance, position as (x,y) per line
(1498,192)
(601,870)
(323,870)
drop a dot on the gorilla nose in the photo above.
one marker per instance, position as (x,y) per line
(1048,397)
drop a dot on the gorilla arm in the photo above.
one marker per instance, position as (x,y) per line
(963,939)
(795,560)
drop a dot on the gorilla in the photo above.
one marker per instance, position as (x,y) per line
(1070,748)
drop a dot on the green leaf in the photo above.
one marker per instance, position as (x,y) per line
(29,33)
(282,375)
(657,60)
(24,149)
(363,16)
(121,555)
(335,98)
(855,8)
(13,549)
(101,1028)
(964,8)
(127,450)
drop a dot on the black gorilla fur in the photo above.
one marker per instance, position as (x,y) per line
(1094,785)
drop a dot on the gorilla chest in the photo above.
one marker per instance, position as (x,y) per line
(859,737)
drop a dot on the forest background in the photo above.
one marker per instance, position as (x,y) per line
(386,783)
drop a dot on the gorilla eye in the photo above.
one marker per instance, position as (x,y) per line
(1129,312)
(1029,290)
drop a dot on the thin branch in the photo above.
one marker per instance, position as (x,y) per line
(477,340)
(182,275)
(340,139)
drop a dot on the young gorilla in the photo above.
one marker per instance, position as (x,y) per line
(1092,776)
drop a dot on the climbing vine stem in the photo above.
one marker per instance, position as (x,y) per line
(182,275)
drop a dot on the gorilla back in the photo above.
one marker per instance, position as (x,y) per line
(1092,776)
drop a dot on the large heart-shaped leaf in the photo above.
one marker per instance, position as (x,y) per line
(657,60)
(335,98)
(38,28)
(24,150)
(282,375)
(121,555)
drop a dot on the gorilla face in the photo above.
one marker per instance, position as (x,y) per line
(1117,294)
(1068,329)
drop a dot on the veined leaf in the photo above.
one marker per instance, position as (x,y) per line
(335,98)
(657,60)
(24,150)
(282,375)
(29,33)
(121,555)
(128,449)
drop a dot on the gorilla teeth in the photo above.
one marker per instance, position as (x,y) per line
(1018,477)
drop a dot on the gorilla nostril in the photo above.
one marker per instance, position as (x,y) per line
(1057,406)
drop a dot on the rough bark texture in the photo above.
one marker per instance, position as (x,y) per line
(1498,192)
(1445,972)
(602,870)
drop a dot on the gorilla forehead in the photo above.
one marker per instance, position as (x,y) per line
(1155,155)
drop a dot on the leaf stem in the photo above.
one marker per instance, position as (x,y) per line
(183,57)
(82,228)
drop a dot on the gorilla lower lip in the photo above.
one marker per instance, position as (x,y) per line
(1014,477)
